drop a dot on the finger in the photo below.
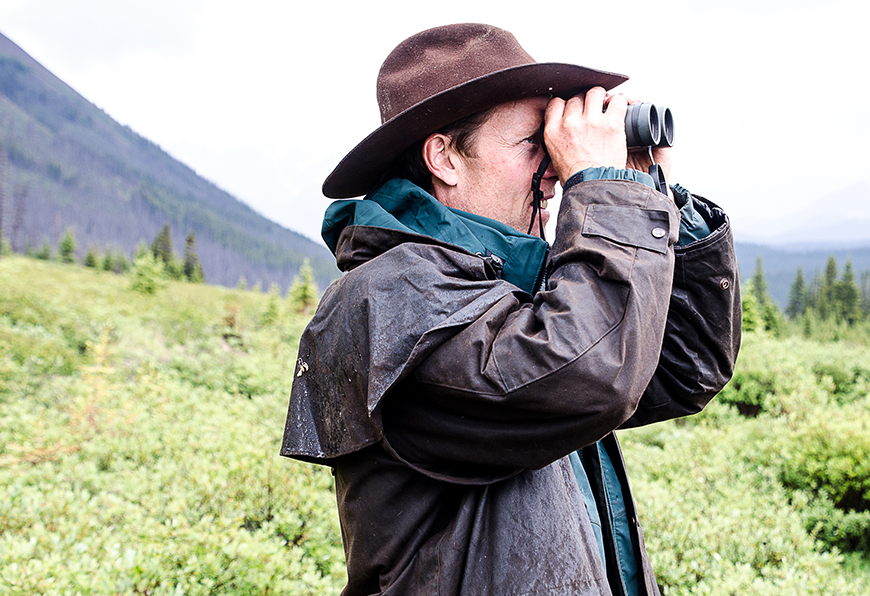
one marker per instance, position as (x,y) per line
(594,102)
(555,109)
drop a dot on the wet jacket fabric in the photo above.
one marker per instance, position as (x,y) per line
(447,399)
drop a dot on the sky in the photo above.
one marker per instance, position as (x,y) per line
(264,98)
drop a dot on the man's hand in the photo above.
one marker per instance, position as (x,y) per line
(579,135)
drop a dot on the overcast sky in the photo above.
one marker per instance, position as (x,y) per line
(263,98)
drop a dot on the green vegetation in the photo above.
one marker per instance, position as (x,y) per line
(303,293)
(188,269)
(768,490)
(139,435)
(139,438)
(830,307)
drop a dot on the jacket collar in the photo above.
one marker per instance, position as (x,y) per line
(404,207)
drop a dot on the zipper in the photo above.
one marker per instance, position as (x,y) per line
(495,261)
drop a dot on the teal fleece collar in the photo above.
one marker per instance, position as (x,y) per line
(402,205)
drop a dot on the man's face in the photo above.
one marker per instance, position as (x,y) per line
(496,182)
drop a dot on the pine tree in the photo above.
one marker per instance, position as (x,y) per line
(826,302)
(751,310)
(272,313)
(797,296)
(148,274)
(161,248)
(108,260)
(44,253)
(68,247)
(303,292)
(848,300)
(768,313)
(90,259)
(759,284)
(192,267)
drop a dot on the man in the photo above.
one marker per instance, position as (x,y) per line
(464,378)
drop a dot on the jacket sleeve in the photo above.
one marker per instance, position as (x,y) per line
(703,329)
(536,378)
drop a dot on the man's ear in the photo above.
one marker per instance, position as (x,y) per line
(441,159)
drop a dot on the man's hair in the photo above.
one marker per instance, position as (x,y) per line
(410,164)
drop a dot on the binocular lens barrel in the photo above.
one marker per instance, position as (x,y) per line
(666,122)
(648,125)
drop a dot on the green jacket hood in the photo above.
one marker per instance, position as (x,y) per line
(403,206)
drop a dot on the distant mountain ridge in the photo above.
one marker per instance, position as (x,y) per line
(64,162)
(837,225)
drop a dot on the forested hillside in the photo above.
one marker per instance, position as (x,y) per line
(781,264)
(66,163)
(140,426)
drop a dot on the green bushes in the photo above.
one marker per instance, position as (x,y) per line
(139,436)
(139,448)
(767,490)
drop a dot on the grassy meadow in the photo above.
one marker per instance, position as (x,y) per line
(139,438)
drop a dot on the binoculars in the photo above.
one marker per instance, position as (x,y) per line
(648,125)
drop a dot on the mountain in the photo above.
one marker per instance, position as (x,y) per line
(66,163)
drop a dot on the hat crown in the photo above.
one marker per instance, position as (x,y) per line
(439,59)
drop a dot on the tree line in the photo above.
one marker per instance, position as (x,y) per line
(153,265)
(186,268)
(830,301)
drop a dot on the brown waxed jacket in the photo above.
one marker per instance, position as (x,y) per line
(446,400)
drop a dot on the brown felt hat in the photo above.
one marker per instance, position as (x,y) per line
(441,75)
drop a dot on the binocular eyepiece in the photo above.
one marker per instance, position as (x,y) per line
(648,125)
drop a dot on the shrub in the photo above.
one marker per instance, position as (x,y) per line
(148,275)
(67,247)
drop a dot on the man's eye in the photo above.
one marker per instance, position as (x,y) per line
(532,139)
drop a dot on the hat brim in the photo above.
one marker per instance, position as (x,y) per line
(361,169)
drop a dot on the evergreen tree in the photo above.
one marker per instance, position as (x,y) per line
(272,313)
(68,247)
(108,260)
(772,319)
(759,284)
(161,248)
(751,310)
(90,259)
(797,296)
(766,310)
(826,303)
(807,325)
(848,300)
(44,253)
(303,292)
(192,267)
(148,274)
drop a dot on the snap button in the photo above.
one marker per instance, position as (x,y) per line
(724,284)
(659,232)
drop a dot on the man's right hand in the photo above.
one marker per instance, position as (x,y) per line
(579,135)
